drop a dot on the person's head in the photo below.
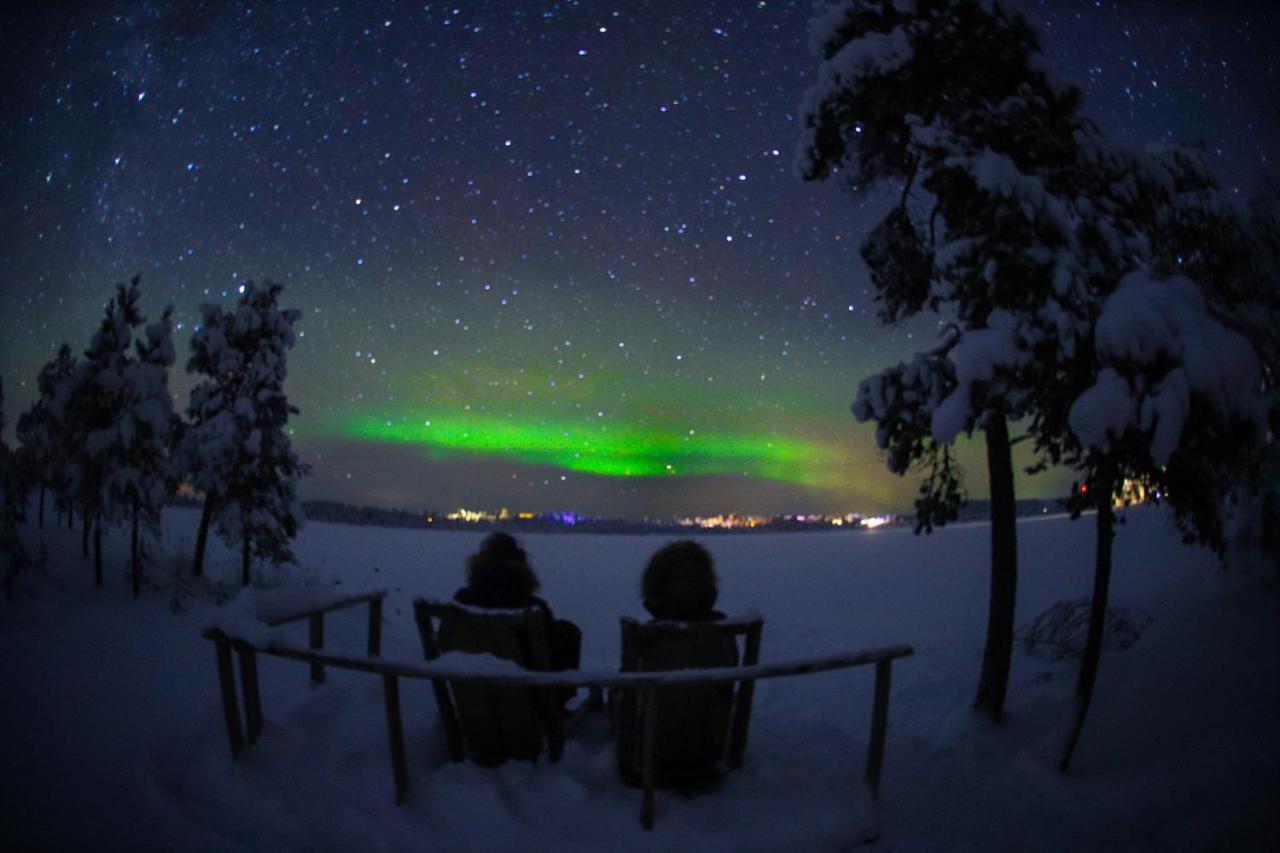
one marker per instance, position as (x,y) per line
(680,582)
(502,546)
(500,574)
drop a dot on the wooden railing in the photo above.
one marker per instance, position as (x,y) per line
(647,683)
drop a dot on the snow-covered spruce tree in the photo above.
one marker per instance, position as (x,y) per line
(118,413)
(236,450)
(41,431)
(140,477)
(950,100)
(86,401)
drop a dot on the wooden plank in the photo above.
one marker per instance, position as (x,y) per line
(510,618)
(879,722)
(720,627)
(742,703)
(569,678)
(648,683)
(648,749)
(439,687)
(375,627)
(327,607)
(535,629)
(227,684)
(395,736)
(249,686)
(316,637)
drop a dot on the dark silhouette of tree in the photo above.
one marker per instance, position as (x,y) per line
(12,501)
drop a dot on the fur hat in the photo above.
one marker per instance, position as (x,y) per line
(499,574)
(680,582)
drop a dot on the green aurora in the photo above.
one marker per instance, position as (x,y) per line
(610,450)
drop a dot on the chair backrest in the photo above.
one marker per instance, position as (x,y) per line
(697,725)
(490,722)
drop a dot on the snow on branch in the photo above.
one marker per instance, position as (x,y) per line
(1163,351)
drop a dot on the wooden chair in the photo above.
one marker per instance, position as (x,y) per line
(492,722)
(694,727)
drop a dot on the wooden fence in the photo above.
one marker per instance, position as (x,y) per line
(647,683)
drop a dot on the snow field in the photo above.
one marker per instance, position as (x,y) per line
(113,734)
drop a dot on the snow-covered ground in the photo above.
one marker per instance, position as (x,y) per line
(112,734)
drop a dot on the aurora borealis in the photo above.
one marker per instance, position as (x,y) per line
(628,451)
(549,255)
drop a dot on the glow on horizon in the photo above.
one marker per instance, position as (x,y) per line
(609,450)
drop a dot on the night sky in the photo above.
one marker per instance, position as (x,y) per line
(549,256)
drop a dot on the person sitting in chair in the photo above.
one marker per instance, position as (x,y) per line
(679,585)
(499,576)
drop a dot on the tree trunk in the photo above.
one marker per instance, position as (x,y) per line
(97,551)
(1102,490)
(994,679)
(202,536)
(84,535)
(135,569)
(244,567)
(40,515)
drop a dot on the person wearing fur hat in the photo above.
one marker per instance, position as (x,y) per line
(679,585)
(499,576)
(501,722)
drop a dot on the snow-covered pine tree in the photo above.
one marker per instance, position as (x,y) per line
(140,478)
(87,402)
(1233,253)
(950,100)
(901,401)
(236,450)
(1167,395)
(41,430)
(118,414)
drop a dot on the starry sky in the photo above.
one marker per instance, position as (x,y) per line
(548,255)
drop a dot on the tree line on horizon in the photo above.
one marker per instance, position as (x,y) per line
(1114,305)
(103,439)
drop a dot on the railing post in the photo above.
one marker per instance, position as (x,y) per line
(317,643)
(648,747)
(879,722)
(742,703)
(395,735)
(227,684)
(249,686)
(375,627)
